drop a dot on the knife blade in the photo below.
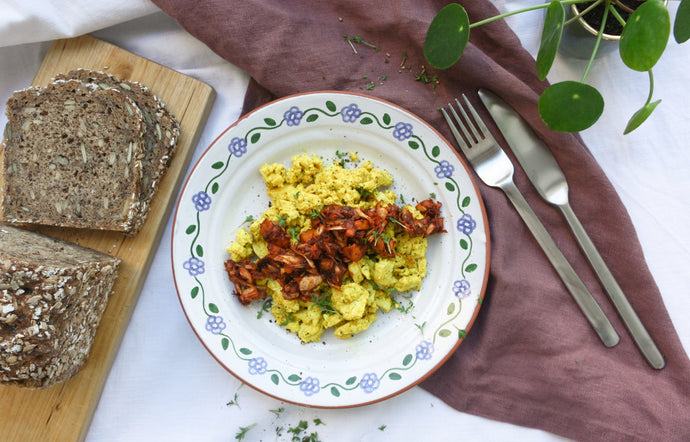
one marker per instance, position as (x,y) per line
(547,177)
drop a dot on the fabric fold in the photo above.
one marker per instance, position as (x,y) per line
(531,358)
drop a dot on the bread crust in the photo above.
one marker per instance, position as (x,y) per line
(52,298)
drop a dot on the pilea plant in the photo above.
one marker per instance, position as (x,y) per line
(571,106)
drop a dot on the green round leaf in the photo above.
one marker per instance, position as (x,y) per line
(413,145)
(447,36)
(215,187)
(335,392)
(225,342)
(466,201)
(645,35)
(255,138)
(681,27)
(570,106)
(270,121)
(213,308)
(331,106)
(366,120)
(464,245)
(450,187)
(199,251)
(394,376)
(275,379)
(194,292)
(311,118)
(435,151)
(294,378)
(640,116)
(550,38)
(351,380)
(471,268)
(218,165)
(191,229)
(386,119)
(245,351)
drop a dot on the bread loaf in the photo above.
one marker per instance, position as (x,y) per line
(160,137)
(52,297)
(73,157)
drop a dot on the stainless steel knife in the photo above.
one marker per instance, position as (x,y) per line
(548,178)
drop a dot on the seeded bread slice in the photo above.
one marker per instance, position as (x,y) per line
(162,129)
(73,157)
(52,298)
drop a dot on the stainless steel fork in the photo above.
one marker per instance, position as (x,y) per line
(496,170)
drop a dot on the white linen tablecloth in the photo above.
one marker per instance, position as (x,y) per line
(165,386)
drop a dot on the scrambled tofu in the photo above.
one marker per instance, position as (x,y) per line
(296,194)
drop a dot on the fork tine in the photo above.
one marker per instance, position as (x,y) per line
(480,123)
(463,126)
(475,137)
(453,128)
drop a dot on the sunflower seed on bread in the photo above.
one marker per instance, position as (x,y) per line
(162,129)
(52,298)
(85,166)
(73,158)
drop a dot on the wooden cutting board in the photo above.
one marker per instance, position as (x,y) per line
(63,412)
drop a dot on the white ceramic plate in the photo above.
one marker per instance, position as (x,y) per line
(399,349)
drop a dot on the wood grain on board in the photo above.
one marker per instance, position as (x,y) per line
(63,412)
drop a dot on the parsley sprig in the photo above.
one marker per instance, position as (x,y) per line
(323,301)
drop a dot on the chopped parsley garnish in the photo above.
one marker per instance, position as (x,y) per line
(277,411)
(410,305)
(364,193)
(323,301)
(234,402)
(424,77)
(294,233)
(265,307)
(248,219)
(243,432)
(360,41)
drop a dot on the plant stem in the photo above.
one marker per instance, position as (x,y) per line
(618,17)
(520,11)
(583,12)
(623,6)
(600,34)
(651,87)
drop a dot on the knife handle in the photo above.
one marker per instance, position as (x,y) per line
(637,330)
(574,284)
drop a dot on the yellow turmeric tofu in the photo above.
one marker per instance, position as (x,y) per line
(299,192)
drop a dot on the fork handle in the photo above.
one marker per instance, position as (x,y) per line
(637,330)
(583,298)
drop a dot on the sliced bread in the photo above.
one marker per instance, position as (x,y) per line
(162,129)
(73,156)
(52,298)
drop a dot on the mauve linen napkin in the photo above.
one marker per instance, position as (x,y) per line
(531,358)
